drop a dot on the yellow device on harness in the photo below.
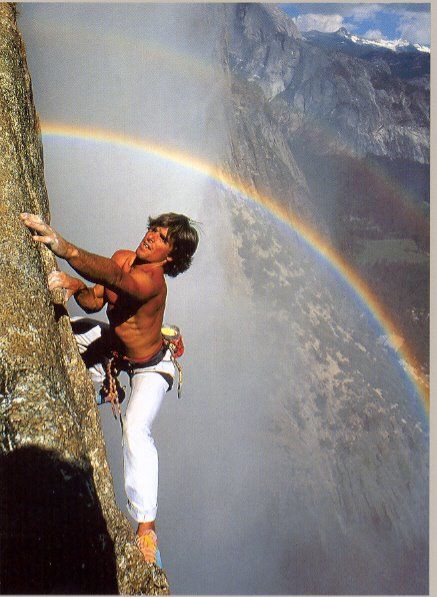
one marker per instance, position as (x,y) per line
(173,341)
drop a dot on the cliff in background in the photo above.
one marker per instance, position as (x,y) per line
(343,103)
(343,141)
(61,531)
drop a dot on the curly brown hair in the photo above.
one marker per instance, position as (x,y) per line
(184,238)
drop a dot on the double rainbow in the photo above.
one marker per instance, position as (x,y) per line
(285,215)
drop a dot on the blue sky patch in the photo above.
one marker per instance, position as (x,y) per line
(373,21)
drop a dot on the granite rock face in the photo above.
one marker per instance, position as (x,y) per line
(61,531)
(343,141)
(360,102)
(264,46)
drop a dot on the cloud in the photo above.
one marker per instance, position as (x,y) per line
(362,12)
(417,7)
(319,22)
(409,21)
(355,11)
(374,34)
(415,26)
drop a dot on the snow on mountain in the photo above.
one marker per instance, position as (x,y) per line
(396,45)
(405,60)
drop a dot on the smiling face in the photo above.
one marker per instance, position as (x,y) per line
(155,247)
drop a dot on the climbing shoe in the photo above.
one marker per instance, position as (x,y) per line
(148,545)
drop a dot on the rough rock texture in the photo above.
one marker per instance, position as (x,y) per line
(61,531)
(264,46)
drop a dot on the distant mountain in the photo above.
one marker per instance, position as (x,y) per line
(364,103)
(343,143)
(338,130)
(345,41)
(405,60)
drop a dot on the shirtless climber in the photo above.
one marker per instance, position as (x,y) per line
(132,285)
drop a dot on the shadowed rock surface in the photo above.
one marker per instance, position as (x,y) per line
(61,531)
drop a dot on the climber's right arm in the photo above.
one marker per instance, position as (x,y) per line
(90,300)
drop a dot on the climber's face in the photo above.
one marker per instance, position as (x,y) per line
(155,246)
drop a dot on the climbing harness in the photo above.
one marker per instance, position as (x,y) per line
(112,391)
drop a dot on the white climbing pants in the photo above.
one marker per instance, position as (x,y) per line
(148,389)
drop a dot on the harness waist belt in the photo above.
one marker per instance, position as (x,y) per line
(140,363)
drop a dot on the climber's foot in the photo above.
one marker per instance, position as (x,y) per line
(148,545)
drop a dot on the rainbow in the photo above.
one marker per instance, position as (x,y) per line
(194,66)
(284,214)
(149,51)
(395,193)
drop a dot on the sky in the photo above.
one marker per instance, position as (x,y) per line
(372,21)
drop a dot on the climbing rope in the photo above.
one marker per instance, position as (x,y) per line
(112,383)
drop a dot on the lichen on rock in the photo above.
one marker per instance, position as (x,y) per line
(61,530)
